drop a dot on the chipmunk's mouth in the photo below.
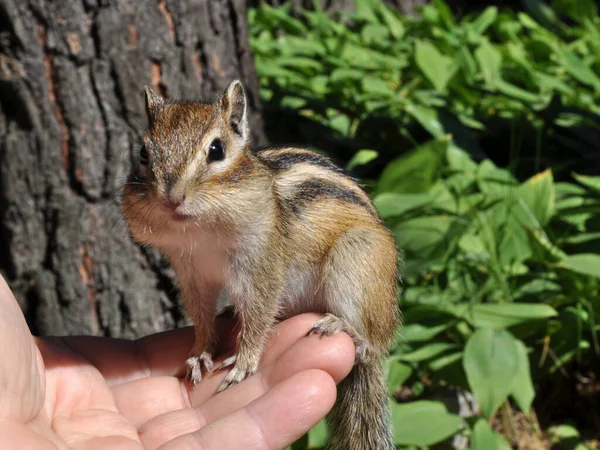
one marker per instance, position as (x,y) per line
(175,215)
(178,217)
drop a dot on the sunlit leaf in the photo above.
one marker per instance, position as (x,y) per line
(491,363)
(361,158)
(490,62)
(423,423)
(438,68)
(586,264)
(485,438)
(523,391)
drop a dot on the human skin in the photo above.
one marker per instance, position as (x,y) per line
(97,393)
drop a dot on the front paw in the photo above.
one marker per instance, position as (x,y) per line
(238,373)
(195,364)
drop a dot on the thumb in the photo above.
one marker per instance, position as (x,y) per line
(22,380)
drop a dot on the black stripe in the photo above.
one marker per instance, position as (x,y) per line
(313,189)
(285,160)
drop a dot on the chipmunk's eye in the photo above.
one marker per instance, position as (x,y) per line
(143,156)
(216,151)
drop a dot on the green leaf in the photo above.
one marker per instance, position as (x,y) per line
(340,123)
(346,73)
(374,33)
(436,67)
(428,238)
(444,361)
(523,391)
(375,85)
(392,205)
(427,351)
(579,10)
(361,158)
(495,182)
(428,118)
(303,64)
(484,438)
(583,263)
(495,315)
(537,288)
(303,46)
(516,92)
(445,13)
(503,315)
(542,249)
(490,62)
(415,332)
(393,22)
(416,171)
(490,362)
(366,11)
(397,373)
(579,70)
(286,21)
(317,436)
(468,65)
(460,161)
(539,197)
(485,19)
(423,423)
(589,182)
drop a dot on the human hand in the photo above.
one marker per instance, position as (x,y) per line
(97,393)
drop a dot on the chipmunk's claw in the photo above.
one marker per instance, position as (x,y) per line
(195,364)
(228,362)
(237,374)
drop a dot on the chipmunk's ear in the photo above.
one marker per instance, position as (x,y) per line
(154,103)
(234,105)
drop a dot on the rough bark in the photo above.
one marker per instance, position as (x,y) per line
(71,116)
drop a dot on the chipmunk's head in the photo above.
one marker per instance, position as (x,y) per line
(193,156)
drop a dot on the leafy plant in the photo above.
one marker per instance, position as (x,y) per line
(501,83)
(500,275)
(495,296)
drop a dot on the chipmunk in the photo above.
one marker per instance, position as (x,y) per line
(276,232)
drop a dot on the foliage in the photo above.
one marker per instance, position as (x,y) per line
(500,276)
(501,83)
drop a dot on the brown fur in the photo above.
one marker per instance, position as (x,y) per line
(277,232)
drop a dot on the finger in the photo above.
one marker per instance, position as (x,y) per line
(334,355)
(21,365)
(272,421)
(121,360)
(141,401)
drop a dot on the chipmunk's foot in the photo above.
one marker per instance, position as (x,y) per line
(195,364)
(330,324)
(238,373)
(228,362)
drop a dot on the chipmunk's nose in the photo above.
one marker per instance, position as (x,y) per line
(173,202)
(174,197)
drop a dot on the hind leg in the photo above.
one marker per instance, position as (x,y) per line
(358,288)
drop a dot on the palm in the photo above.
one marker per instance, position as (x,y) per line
(84,410)
(97,393)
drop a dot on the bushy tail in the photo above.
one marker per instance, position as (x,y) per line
(360,418)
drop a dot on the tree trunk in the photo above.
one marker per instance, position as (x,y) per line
(71,116)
